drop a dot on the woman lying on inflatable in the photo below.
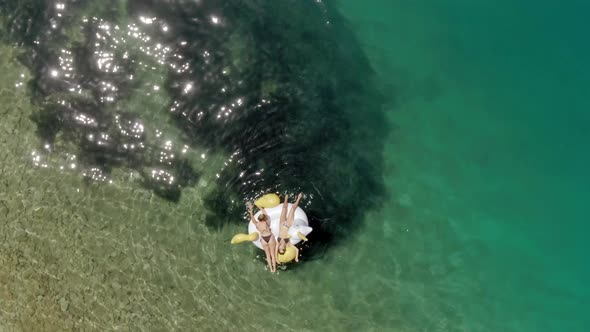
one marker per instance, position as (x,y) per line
(273,220)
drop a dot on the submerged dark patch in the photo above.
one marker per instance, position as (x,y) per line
(282,89)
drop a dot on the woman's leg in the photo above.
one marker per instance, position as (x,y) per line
(284,211)
(291,217)
(273,253)
(268,257)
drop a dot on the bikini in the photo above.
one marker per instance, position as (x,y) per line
(267,238)
(284,224)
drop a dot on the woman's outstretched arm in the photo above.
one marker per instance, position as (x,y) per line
(249,205)
(296,251)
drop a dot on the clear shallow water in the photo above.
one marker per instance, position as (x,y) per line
(483,230)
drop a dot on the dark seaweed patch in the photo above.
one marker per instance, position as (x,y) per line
(282,88)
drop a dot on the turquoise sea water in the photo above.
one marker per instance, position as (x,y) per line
(490,149)
(484,162)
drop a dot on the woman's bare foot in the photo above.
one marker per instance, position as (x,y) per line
(299,198)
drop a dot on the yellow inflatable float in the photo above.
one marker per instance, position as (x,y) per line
(268,201)
(297,233)
(287,257)
(239,238)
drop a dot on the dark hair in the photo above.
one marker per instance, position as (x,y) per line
(262,217)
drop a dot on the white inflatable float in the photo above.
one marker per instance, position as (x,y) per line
(297,232)
(300,225)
